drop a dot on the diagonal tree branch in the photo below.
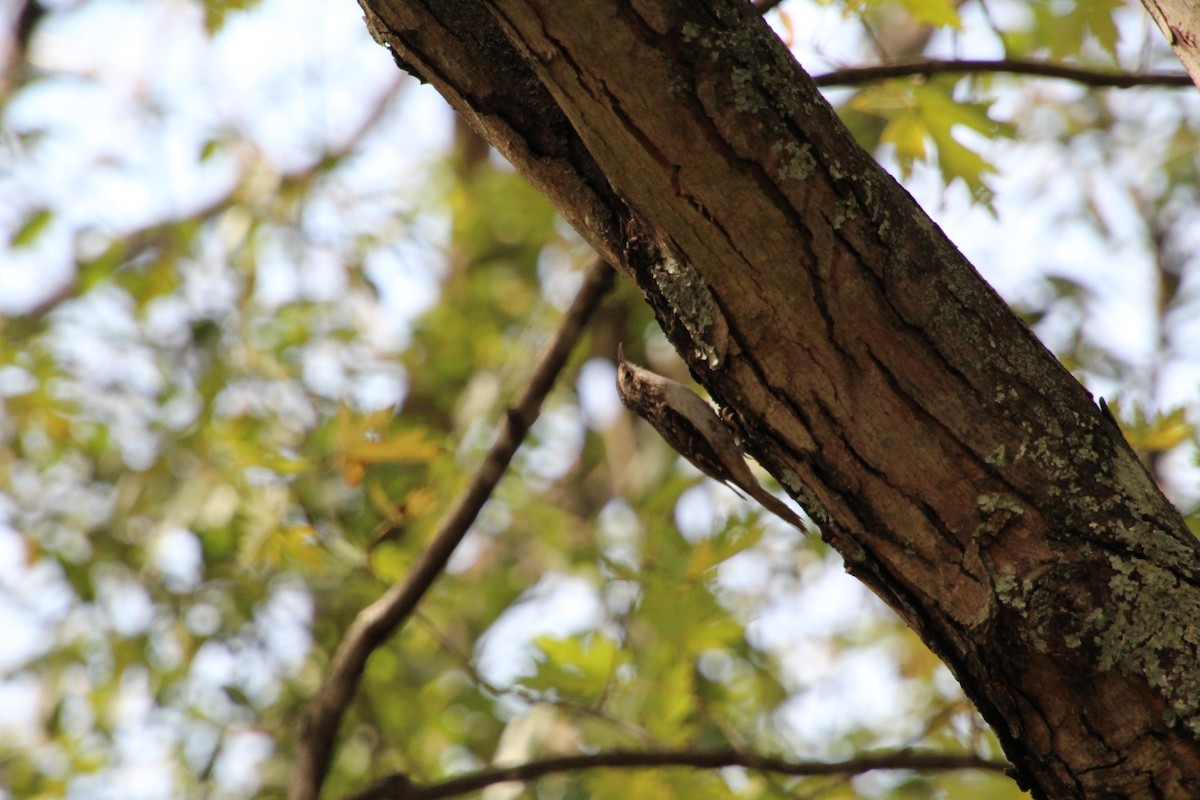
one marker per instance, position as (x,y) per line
(962,472)
(398,786)
(855,76)
(378,621)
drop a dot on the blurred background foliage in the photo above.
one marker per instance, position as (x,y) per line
(264,302)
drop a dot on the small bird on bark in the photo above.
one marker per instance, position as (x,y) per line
(692,427)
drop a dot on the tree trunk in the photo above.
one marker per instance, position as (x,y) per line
(959,469)
(1180,23)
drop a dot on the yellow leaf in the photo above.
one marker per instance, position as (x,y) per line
(389,563)
(291,545)
(703,559)
(1164,435)
(708,553)
(416,503)
(364,441)
(420,502)
(377,496)
(941,13)
(410,445)
(1155,435)
(57,426)
(352,471)
(907,132)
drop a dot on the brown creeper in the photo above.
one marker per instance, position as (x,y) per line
(692,427)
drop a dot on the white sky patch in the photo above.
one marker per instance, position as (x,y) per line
(621,532)
(556,440)
(284,623)
(560,606)
(597,391)
(697,512)
(177,553)
(237,766)
(126,602)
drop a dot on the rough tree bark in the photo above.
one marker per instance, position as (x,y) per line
(1179,20)
(961,471)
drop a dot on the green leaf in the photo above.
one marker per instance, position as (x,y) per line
(390,563)
(1101,22)
(1065,34)
(670,707)
(92,273)
(1154,434)
(734,539)
(944,112)
(907,132)
(581,666)
(940,13)
(217,11)
(955,160)
(31,228)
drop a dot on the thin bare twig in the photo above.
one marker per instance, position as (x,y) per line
(380,620)
(398,786)
(855,76)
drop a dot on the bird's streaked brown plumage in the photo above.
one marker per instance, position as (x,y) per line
(693,429)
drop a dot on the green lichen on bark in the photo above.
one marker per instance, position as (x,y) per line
(747,97)
(1011,591)
(686,292)
(994,503)
(845,210)
(1138,634)
(795,161)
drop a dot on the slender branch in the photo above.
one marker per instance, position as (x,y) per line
(378,621)
(855,76)
(398,786)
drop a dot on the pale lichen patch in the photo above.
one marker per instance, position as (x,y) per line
(687,293)
(1011,591)
(993,503)
(998,457)
(747,97)
(1136,636)
(691,31)
(796,161)
(845,210)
